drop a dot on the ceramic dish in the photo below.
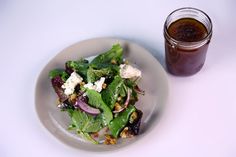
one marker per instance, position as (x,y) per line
(154,82)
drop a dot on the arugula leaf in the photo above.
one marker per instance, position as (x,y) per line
(111,93)
(80,66)
(115,53)
(58,72)
(95,100)
(95,74)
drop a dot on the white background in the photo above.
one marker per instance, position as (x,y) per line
(200,118)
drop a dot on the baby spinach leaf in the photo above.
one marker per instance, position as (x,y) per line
(115,53)
(120,121)
(95,100)
(58,72)
(111,93)
(80,66)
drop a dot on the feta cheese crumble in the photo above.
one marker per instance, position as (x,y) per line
(71,82)
(127,71)
(97,86)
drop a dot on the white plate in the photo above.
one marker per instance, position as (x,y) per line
(154,82)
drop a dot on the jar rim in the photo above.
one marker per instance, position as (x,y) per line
(184,43)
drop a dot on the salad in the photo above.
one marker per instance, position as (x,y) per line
(100,96)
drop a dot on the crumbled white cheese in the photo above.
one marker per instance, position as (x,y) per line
(127,71)
(89,85)
(97,86)
(71,82)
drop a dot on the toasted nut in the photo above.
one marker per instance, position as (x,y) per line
(117,106)
(72,98)
(113,61)
(133,117)
(110,140)
(104,86)
(58,101)
(82,83)
(126,62)
(125,133)
(119,98)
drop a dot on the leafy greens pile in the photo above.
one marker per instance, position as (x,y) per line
(91,111)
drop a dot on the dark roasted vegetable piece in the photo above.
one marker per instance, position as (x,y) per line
(57,82)
(118,123)
(135,125)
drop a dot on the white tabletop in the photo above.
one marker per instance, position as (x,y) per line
(199,120)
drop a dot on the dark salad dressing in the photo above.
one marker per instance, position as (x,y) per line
(184,61)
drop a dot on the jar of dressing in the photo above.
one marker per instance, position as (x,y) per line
(187,33)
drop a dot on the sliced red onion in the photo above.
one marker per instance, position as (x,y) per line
(126,101)
(138,90)
(85,107)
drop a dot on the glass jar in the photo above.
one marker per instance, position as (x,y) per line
(187,33)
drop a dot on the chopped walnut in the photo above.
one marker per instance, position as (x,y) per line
(119,98)
(126,133)
(72,98)
(113,61)
(58,101)
(110,140)
(117,106)
(126,62)
(104,86)
(133,117)
(82,83)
